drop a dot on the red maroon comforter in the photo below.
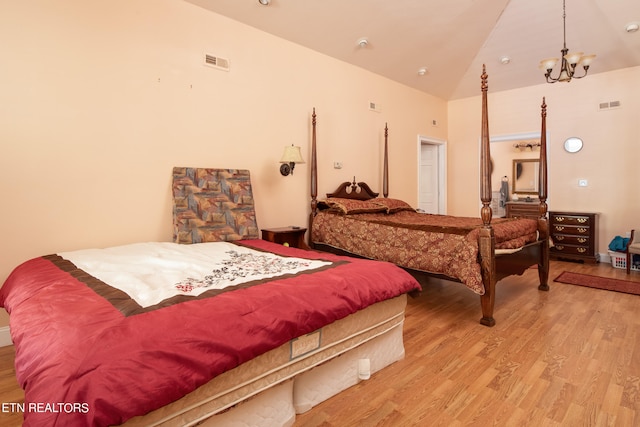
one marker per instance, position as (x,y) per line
(82,362)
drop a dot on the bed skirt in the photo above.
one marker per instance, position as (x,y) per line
(270,389)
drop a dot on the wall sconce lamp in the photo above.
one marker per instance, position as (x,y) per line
(289,159)
(531,146)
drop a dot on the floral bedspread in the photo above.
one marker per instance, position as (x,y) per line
(441,244)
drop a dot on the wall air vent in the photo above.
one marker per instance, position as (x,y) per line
(608,105)
(375,107)
(216,62)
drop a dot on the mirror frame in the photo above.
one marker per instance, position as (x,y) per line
(536,184)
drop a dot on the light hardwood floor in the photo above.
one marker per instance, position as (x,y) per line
(567,357)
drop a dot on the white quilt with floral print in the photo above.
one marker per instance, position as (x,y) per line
(152,272)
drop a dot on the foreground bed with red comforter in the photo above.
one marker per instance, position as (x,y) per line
(87,354)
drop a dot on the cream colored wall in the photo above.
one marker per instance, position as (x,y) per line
(609,161)
(101,99)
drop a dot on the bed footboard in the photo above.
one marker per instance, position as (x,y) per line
(497,267)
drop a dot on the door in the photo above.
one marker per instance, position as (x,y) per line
(431,173)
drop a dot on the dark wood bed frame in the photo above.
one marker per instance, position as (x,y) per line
(494,267)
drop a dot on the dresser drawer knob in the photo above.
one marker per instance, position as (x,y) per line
(581,239)
(560,247)
(559,227)
(582,230)
(559,237)
(583,220)
(559,218)
(582,250)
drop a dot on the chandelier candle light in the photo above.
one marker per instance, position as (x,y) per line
(569,60)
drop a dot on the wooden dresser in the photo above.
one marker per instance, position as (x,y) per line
(574,235)
(523,209)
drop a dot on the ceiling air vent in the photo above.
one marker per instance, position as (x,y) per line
(216,62)
(608,105)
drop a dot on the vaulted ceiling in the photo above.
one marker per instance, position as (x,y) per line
(450,38)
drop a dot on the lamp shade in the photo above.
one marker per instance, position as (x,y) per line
(548,64)
(564,76)
(587,60)
(573,58)
(292,155)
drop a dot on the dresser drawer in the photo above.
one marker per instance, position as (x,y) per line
(571,250)
(570,229)
(561,239)
(562,219)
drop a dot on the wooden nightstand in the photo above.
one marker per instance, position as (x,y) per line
(293,236)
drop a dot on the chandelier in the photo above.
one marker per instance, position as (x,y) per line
(569,60)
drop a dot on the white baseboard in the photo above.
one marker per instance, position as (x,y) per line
(5,337)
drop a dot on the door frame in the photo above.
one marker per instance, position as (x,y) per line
(442,169)
(515,137)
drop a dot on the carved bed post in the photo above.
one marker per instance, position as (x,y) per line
(543,221)
(486,239)
(314,177)
(485,157)
(542,178)
(385,169)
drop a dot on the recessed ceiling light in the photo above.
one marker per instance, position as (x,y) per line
(505,59)
(632,27)
(422,71)
(363,42)
(264,2)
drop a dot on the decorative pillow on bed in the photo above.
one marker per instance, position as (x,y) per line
(212,205)
(352,206)
(392,205)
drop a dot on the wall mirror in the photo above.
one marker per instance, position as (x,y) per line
(573,144)
(525,176)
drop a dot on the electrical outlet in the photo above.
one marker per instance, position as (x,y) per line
(337,165)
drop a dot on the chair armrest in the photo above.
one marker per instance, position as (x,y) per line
(632,239)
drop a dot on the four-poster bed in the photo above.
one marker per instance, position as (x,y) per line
(353,220)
